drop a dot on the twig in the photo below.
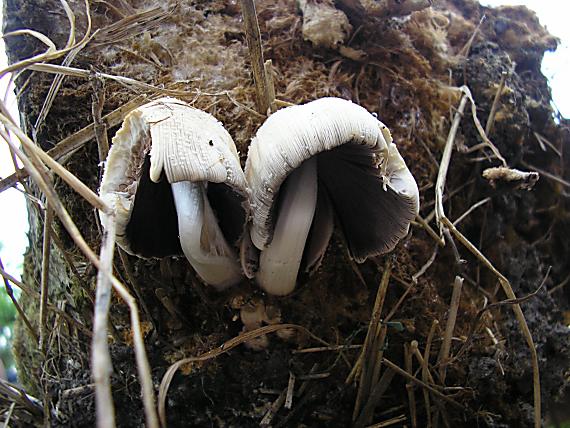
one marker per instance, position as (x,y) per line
(48,218)
(100,356)
(542,140)
(559,286)
(253,37)
(450,326)
(268,68)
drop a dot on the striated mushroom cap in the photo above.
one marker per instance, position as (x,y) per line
(329,154)
(174,180)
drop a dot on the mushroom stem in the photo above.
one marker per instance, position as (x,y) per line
(201,239)
(280,261)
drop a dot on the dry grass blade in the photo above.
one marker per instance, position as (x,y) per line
(405,374)
(132,25)
(10,293)
(68,177)
(37,173)
(493,112)
(50,54)
(10,392)
(100,357)
(253,37)
(389,422)
(450,326)
(75,141)
(48,218)
(216,352)
(374,397)
(368,357)
(445,223)
(133,84)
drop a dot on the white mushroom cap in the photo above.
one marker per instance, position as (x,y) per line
(163,143)
(371,191)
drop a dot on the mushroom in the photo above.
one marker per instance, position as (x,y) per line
(311,163)
(174,180)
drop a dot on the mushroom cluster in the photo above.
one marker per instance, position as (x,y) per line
(175,182)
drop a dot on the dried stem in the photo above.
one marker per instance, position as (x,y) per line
(409,385)
(101,365)
(10,293)
(450,326)
(44,293)
(444,222)
(493,112)
(368,357)
(253,37)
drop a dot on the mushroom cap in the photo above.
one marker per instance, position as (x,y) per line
(372,192)
(163,142)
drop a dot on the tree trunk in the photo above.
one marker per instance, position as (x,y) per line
(399,60)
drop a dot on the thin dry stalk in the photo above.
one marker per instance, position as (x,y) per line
(51,53)
(35,169)
(268,68)
(101,365)
(75,141)
(471,209)
(216,352)
(369,353)
(444,222)
(450,326)
(426,377)
(508,290)
(97,104)
(374,398)
(34,294)
(493,112)
(134,284)
(277,404)
(430,231)
(389,422)
(44,293)
(409,385)
(37,154)
(405,374)
(253,38)
(426,266)
(290,390)
(10,293)
(325,349)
